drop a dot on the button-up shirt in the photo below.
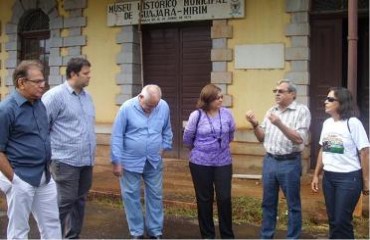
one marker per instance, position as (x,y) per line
(24,137)
(138,137)
(297,117)
(72,125)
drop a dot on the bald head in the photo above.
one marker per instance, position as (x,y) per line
(149,97)
(151,91)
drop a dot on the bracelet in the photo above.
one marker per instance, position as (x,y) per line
(255,126)
(366,193)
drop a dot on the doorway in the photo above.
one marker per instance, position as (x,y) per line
(177,57)
(328,68)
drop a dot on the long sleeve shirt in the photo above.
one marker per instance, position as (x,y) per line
(72,125)
(138,137)
(211,138)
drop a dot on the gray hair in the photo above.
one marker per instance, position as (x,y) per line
(150,91)
(291,86)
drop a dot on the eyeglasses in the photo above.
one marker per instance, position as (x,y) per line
(280,91)
(36,81)
(220,97)
(330,99)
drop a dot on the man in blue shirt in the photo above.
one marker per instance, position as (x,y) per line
(72,119)
(141,131)
(25,156)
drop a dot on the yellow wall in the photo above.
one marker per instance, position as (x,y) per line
(101,50)
(5,15)
(251,89)
(264,23)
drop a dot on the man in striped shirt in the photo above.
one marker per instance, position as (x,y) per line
(284,131)
(72,119)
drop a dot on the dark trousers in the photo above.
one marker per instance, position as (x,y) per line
(341,192)
(73,184)
(207,179)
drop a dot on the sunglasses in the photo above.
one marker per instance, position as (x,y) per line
(280,91)
(330,99)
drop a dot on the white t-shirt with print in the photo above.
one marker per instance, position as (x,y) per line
(339,153)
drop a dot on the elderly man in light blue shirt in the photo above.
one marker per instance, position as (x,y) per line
(71,115)
(141,131)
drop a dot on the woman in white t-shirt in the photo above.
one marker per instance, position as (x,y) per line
(345,175)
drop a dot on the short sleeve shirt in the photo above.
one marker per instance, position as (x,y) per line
(24,137)
(339,144)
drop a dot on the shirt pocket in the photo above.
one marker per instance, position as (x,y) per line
(156,125)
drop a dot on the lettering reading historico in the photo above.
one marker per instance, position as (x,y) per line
(165,4)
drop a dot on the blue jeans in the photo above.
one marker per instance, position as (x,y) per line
(341,192)
(131,194)
(286,175)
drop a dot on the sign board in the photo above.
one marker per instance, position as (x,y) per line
(161,11)
(259,56)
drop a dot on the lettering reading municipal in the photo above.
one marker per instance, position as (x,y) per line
(202,2)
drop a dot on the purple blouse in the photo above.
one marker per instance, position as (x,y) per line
(212,139)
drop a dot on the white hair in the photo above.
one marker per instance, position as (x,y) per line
(291,86)
(150,91)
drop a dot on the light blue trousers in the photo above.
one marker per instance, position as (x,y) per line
(131,194)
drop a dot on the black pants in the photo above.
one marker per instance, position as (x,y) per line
(207,179)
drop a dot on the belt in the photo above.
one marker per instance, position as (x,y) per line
(290,156)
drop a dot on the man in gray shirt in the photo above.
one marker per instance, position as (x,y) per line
(72,118)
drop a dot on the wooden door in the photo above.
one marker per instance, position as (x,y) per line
(178,59)
(363,72)
(328,68)
(326,71)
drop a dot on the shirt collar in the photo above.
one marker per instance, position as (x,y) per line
(19,98)
(292,106)
(71,90)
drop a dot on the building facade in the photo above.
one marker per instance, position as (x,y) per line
(182,45)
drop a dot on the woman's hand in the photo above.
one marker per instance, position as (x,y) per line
(365,189)
(315,184)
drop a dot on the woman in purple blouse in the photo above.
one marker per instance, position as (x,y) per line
(208,133)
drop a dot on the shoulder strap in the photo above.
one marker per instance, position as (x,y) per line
(350,133)
(196,125)
(348,127)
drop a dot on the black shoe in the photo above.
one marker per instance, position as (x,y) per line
(156,237)
(137,237)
